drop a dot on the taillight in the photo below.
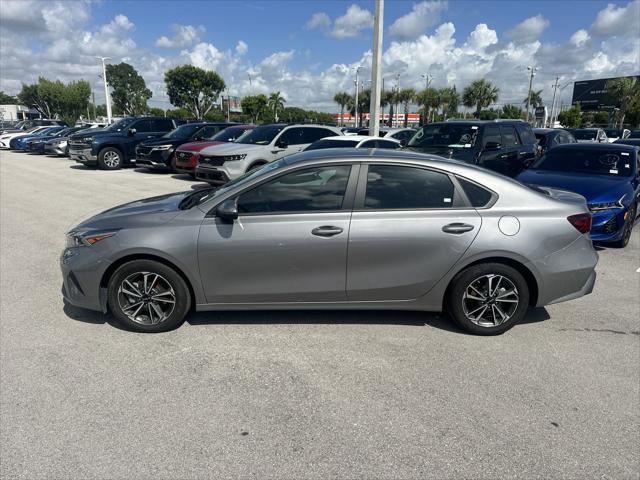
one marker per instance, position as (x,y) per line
(581,222)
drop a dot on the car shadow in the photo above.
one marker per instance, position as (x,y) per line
(184,176)
(440,321)
(151,171)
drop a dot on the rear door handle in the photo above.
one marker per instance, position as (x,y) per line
(326,231)
(457,228)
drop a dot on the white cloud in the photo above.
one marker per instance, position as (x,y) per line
(422,16)
(352,22)
(580,38)
(185,35)
(617,20)
(241,48)
(318,20)
(481,37)
(598,64)
(528,30)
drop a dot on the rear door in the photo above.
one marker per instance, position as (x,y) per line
(408,228)
(509,158)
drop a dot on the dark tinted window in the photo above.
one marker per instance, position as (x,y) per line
(294,136)
(542,139)
(526,134)
(325,143)
(228,134)
(142,126)
(311,189)
(509,135)
(209,131)
(597,161)
(456,135)
(311,134)
(491,134)
(585,134)
(379,144)
(477,195)
(162,125)
(397,187)
(261,135)
(404,135)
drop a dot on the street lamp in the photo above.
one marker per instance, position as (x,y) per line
(357,69)
(427,79)
(532,73)
(106,87)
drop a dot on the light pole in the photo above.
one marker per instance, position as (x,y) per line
(532,74)
(553,102)
(106,87)
(395,109)
(559,109)
(357,69)
(427,79)
(376,71)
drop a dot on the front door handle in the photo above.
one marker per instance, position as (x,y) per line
(457,228)
(326,231)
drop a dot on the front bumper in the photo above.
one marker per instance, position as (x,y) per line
(54,149)
(83,155)
(156,159)
(35,147)
(608,225)
(186,162)
(82,269)
(212,175)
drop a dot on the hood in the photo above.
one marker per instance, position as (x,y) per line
(38,138)
(595,188)
(56,140)
(97,133)
(199,145)
(464,154)
(233,148)
(148,211)
(152,142)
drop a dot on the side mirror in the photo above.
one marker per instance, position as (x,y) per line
(281,143)
(492,146)
(228,210)
(132,132)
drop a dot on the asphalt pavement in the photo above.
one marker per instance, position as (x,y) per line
(297,395)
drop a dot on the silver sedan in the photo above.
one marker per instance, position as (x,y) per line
(337,229)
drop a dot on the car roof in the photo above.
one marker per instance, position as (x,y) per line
(594,146)
(366,154)
(356,138)
(546,130)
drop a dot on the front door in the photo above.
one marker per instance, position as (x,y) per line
(289,243)
(408,229)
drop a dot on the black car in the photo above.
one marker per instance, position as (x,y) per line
(635,142)
(158,153)
(505,146)
(550,137)
(634,134)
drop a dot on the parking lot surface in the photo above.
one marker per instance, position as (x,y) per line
(297,394)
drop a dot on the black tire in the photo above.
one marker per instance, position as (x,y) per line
(628,228)
(168,276)
(110,158)
(477,273)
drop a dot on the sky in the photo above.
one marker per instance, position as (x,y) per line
(308,49)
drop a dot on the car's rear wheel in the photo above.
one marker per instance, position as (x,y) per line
(488,299)
(147,296)
(627,229)
(110,158)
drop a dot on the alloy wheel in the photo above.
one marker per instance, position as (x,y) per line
(111,159)
(146,298)
(490,300)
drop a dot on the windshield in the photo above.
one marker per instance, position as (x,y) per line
(229,134)
(585,134)
(120,125)
(445,135)
(260,135)
(601,161)
(183,131)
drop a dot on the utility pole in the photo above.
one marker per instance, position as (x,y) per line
(106,87)
(93,98)
(376,72)
(532,74)
(395,110)
(356,100)
(553,102)
(427,79)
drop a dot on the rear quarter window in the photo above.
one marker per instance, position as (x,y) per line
(478,196)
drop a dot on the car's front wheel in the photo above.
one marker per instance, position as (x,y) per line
(148,296)
(110,158)
(488,299)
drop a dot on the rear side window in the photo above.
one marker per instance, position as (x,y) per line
(294,136)
(478,196)
(162,125)
(311,134)
(142,126)
(399,187)
(526,134)
(491,134)
(319,145)
(509,136)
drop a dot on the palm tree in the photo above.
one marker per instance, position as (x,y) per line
(343,99)
(480,94)
(449,100)
(390,98)
(429,98)
(626,91)
(276,102)
(406,96)
(536,99)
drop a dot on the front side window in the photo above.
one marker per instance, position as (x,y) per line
(491,135)
(308,190)
(260,136)
(401,187)
(209,131)
(162,125)
(142,126)
(294,136)
(312,134)
(509,135)
(321,144)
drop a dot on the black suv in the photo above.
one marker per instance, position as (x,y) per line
(158,153)
(505,146)
(114,146)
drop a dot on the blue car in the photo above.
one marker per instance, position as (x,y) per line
(20,142)
(607,175)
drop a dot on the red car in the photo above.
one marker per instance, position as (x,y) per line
(187,155)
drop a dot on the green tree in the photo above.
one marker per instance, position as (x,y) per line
(255,106)
(74,101)
(156,112)
(276,102)
(343,99)
(130,93)
(511,111)
(626,92)
(54,99)
(7,99)
(193,88)
(479,94)
(428,98)
(181,113)
(570,118)
(215,115)
(490,114)
(449,100)
(364,104)
(406,97)
(535,101)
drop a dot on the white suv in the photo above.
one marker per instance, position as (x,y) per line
(221,163)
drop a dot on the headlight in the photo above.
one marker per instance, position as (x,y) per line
(87,139)
(232,158)
(594,207)
(162,147)
(76,239)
